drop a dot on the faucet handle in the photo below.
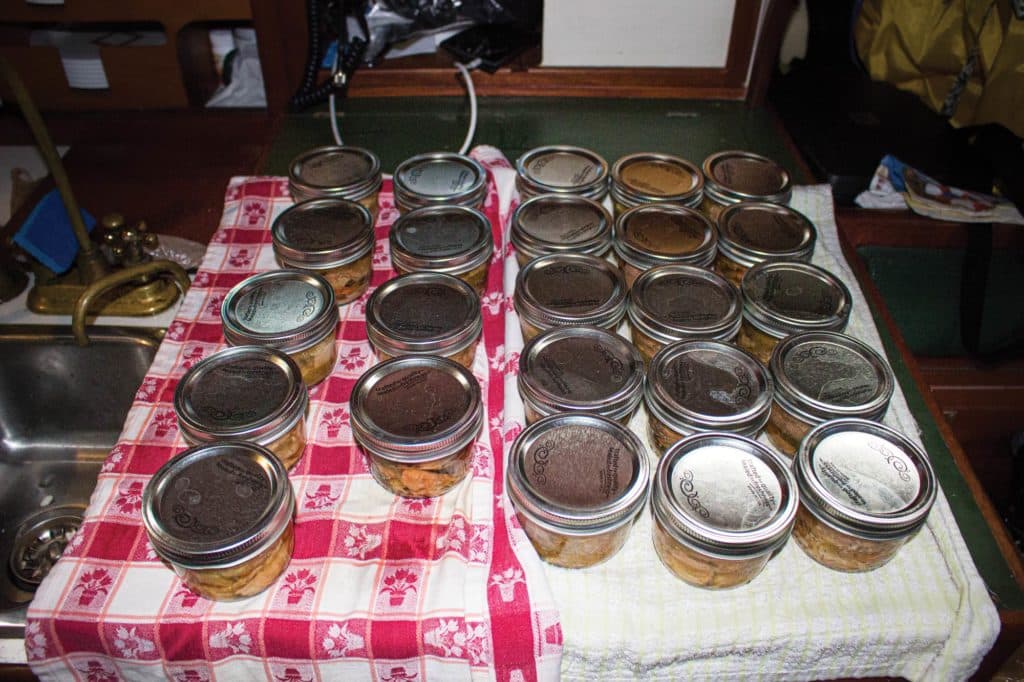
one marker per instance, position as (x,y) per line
(127,244)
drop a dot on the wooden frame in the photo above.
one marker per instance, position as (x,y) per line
(281,26)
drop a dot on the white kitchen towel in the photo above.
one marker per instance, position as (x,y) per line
(925,616)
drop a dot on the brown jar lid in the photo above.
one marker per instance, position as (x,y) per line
(648,177)
(732,176)
(217,505)
(865,479)
(660,234)
(676,302)
(322,233)
(416,408)
(581,369)
(578,473)
(570,289)
(752,232)
(786,297)
(552,223)
(708,386)
(827,375)
(423,313)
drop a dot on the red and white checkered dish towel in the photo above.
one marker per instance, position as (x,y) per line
(379,587)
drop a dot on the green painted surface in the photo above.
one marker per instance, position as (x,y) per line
(401,127)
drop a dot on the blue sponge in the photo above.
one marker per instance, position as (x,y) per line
(47,233)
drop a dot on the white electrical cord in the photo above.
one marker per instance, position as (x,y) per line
(470,90)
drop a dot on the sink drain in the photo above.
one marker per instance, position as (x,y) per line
(40,542)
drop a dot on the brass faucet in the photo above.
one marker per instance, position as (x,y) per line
(133,290)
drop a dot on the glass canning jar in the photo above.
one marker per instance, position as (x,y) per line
(335,172)
(734,176)
(787,297)
(723,504)
(671,303)
(250,393)
(865,490)
(332,238)
(553,223)
(580,369)
(288,310)
(416,418)
(425,313)
(821,376)
(454,240)
(662,234)
(564,170)
(646,178)
(439,179)
(568,290)
(577,482)
(753,232)
(696,386)
(222,516)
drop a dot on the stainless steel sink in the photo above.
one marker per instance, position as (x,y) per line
(62,407)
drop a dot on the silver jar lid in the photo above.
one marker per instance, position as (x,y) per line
(578,474)
(283,309)
(660,234)
(217,505)
(581,369)
(570,289)
(827,375)
(339,172)
(752,232)
(552,223)
(439,178)
(423,313)
(725,495)
(560,169)
(864,479)
(786,297)
(708,386)
(322,233)
(416,408)
(732,176)
(448,239)
(676,302)
(242,393)
(647,177)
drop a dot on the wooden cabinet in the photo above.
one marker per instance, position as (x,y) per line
(175,74)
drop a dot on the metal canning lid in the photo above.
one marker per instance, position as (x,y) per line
(865,479)
(752,232)
(423,313)
(646,177)
(448,239)
(242,393)
(733,176)
(322,233)
(563,289)
(560,169)
(552,223)
(283,309)
(341,172)
(725,495)
(659,234)
(708,386)
(416,408)
(572,369)
(217,505)
(439,178)
(827,375)
(785,297)
(676,302)
(578,473)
